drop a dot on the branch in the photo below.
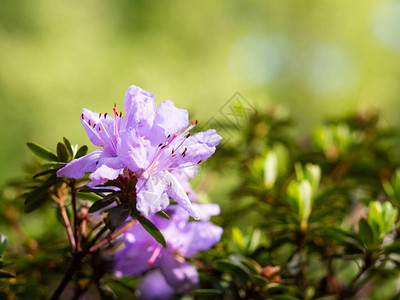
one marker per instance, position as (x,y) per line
(73,201)
(68,226)
(113,236)
(74,265)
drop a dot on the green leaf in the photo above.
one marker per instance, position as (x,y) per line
(206,293)
(163,215)
(151,228)
(237,238)
(42,152)
(258,280)
(81,151)
(365,232)
(99,205)
(119,214)
(270,169)
(226,265)
(3,243)
(33,203)
(68,146)
(62,153)
(43,173)
(393,248)
(90,190)
(6,275)
(88,196)
(251,265)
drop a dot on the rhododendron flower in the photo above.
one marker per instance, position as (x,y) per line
(184,238)
(153,143)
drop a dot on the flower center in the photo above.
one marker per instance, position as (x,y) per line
(160,162)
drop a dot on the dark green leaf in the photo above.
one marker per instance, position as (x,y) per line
(81,151)
(6,275)
(43,173)
(36,201)
(99,205)
(89,190)
(251,265)
(151,228)
(258,280)
(393,248)
(119,214)
(226,265)
(163,215)
(206,293)
(68,146)
(365,232)
(42,152)
(62,153)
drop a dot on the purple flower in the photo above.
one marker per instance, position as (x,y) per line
(153,143)
(142,252)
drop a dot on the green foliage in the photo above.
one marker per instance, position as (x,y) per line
(303,218)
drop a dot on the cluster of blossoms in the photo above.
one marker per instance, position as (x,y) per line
(157,149)
(167,270)
(155,144)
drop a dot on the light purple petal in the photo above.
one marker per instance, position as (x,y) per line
(104,174)
(200,146)
(77,167)
(133,150)
(208,210)
(140,107)
(168,120)
(154,287)
(200,236)
(151,196)
(178,194)
(100,130)
(132,260)
(184,175)
(179,274)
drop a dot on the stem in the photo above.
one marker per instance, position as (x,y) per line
(75,262)
(74,265)
(73,200)
(353,287)
(113,236)
(68,226)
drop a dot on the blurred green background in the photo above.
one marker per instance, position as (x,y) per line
(314,58)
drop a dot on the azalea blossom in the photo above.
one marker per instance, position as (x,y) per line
(142,253)
(152,143)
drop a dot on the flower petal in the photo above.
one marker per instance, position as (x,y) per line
(133,150)
(168,120)
(179,274)
(154,286)
(100,130)
(200,236)
(151,196)
(77,167)
(200,146)
(140,107)
(104,174)
(208,210)
(178,194)
(132,260)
